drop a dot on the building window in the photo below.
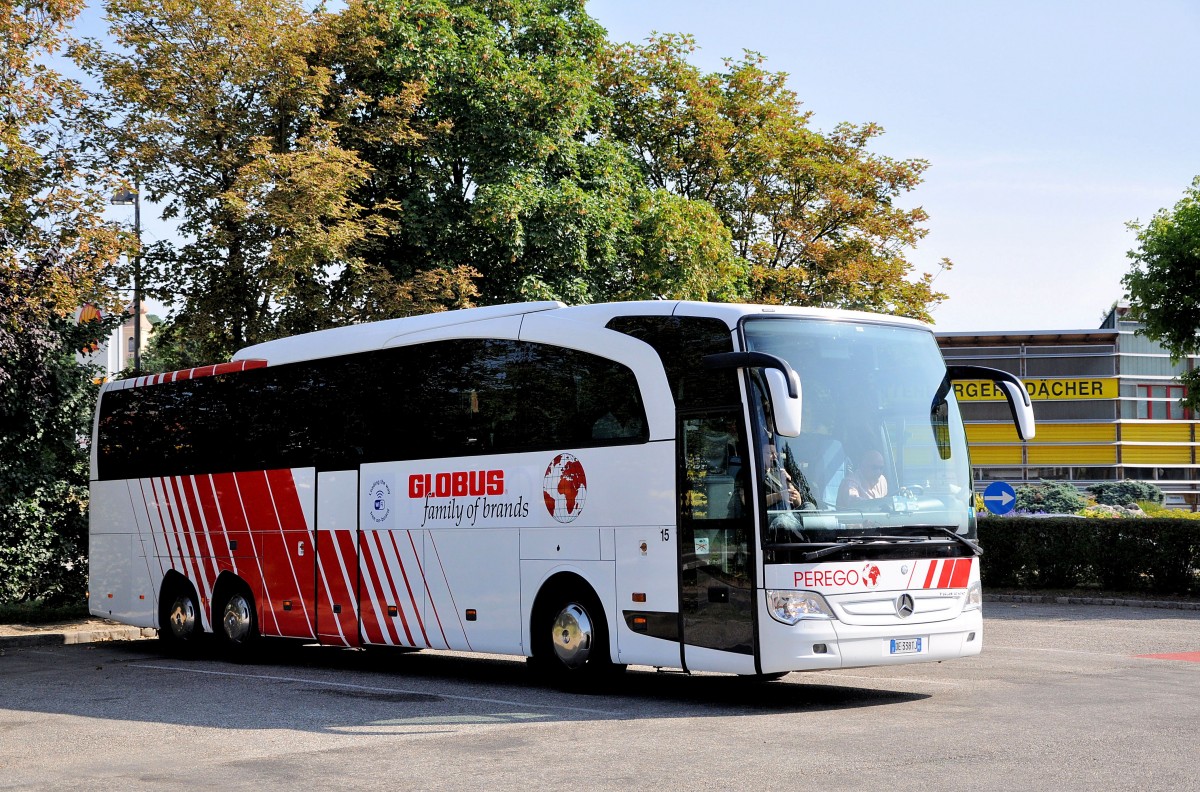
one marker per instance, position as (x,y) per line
(1093,473)
(1160,402)
(998,474)
(1034,474)
(1159,473)
(130,346)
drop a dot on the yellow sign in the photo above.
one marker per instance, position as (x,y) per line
(1040,389)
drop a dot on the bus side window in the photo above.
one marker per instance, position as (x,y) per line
(715,483)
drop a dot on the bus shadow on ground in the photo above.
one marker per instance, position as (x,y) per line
(345,690)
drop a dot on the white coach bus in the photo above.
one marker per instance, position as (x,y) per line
(731,488)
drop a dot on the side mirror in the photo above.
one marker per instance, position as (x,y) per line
(1008,384)
(783,385)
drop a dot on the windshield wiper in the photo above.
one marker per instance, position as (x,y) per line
(846,541)
(975,548)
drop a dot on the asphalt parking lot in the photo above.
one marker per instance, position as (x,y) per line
(1063,697)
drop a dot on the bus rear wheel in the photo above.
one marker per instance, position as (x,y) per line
(179,617)
(238,625)
(570,640)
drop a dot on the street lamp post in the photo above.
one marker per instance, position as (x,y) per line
(133,198)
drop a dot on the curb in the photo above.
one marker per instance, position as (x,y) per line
(77,637)
(1048,599)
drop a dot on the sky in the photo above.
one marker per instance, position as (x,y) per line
(1047,125)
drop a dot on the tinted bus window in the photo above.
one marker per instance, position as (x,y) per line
(442,399)
(681,341)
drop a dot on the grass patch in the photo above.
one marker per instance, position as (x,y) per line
(37,613)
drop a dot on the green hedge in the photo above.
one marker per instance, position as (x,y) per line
(1154,556)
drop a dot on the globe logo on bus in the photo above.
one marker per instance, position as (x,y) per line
(564,488)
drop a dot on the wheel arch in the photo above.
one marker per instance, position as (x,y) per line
(226,583)
(174,580)
(558,582)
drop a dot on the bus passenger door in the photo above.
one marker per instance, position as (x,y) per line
(337,558)
(715,530)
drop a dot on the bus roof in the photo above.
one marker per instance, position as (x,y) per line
(375,335)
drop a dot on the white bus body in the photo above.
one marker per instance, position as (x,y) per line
(589,486)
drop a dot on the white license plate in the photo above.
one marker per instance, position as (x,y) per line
(905,646)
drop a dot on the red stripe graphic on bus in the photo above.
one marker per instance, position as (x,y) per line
(962,573)
(394,591)
(428,592)
(275,549)
(237,528)
(192,567)
(190,513)
(196,373)
(929,577)
(416,608)
(297,540)
(214,523)
(376,626)
(162,569)
(954,573)
(202,518)
(947,570)
(339,565)
(331,582)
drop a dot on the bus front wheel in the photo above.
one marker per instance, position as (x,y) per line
(570,639)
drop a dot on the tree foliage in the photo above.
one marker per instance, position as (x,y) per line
(55,247)
(218,108)
(410,155)
(814,214)
(1164,282)
(46,405)
(56,251)
(510,174)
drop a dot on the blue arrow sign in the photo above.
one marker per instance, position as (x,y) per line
(1000,497)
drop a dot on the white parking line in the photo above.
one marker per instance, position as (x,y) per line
(270,678)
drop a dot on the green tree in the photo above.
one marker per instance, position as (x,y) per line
(46,406)
(216,107)
(55,247)
(56,251)
(509,173)
(1164,282)
(814,215)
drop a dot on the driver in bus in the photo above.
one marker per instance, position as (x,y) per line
(864,482)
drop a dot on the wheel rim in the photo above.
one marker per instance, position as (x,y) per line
(237,619)
(572,636)
(182,621)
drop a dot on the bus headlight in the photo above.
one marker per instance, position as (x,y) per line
(974,597)
(790,607)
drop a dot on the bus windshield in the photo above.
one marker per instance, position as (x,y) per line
(882,448)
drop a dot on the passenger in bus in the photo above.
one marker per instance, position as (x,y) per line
(864,482)
(781,490)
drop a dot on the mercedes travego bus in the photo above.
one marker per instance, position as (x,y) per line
(731,488)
